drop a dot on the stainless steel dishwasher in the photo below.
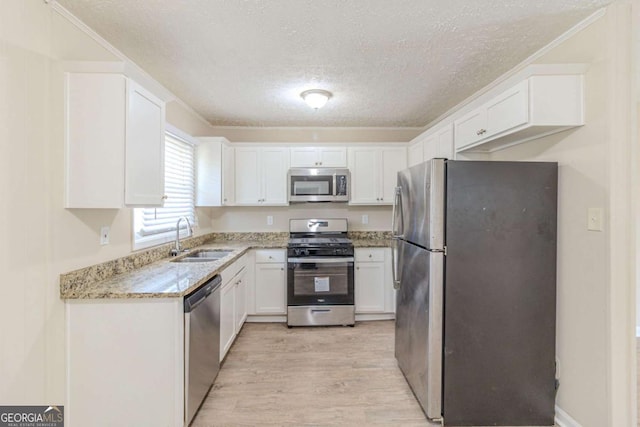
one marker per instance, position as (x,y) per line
(201,344)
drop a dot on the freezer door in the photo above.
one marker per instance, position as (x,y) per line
(419,205)
(418,346)
(500,293)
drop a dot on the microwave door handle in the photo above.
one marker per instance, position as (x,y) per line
(335,189)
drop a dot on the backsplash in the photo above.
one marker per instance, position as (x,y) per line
(370,235)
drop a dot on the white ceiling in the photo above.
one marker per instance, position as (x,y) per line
(399,63)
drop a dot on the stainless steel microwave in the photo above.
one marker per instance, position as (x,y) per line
(319,185)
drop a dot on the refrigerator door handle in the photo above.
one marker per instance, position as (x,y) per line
(394,265)
(397,207)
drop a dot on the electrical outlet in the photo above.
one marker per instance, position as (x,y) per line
(104,235)
(269,220)
(365,219)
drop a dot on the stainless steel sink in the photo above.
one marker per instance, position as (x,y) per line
(209,253)
(204,255)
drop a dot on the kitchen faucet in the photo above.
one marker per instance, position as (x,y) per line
(178,248)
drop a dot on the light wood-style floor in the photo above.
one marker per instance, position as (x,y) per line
(323,376)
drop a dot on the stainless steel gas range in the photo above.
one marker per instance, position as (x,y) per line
(320,273)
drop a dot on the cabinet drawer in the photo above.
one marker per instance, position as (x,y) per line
(369,255)
(233,269)
(270,255)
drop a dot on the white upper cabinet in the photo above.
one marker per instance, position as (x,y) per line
(144,154)
(374,173)
(215,165)
(228,175)
(539,105)
(326,157)
(114,142)
(94,140)
(261,176)
(415,153)
(439,144)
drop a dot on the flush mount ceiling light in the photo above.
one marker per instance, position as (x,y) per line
(316,98)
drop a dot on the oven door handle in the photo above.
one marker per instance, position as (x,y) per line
(311,260)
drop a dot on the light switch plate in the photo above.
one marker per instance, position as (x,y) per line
(269,220)
(594,219)
(365,219)
(104,235)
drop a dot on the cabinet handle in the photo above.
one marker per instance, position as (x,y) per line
(370,255)
(320,163)
(481,131)
(165,197)
(281,268)
(357,268)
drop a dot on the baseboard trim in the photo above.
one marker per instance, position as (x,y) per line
(252,318)
(564,420)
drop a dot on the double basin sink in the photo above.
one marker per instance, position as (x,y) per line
(204,255)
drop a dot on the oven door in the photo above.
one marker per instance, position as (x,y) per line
(320,281)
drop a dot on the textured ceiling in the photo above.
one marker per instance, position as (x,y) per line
(397,63)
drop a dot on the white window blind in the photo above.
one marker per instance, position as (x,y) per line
(179,187)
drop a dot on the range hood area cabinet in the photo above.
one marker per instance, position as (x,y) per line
(114,142)
(318,157)
(373,173)
(537,106)
(215,160)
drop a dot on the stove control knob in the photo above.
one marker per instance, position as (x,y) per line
(306,252)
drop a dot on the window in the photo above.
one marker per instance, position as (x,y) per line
(154,226)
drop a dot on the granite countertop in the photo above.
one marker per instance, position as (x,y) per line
(163,278)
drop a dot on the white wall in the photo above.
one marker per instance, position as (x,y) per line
(41,239)
(592,269)
(255,218)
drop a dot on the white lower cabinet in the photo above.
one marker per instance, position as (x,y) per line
(133,344)
(270,282)
(233,303)
(374,293)
(227,318)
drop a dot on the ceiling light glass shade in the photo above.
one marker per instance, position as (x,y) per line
(316,98)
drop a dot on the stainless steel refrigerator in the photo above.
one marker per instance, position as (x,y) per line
(475,270)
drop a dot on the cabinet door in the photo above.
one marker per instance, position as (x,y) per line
(275,164)
(508,110)
(430,147)
(471,128)
(369,287)
(445,143)
(228,178)
(94,140)
(270,282)
(144,152)
(247,176)
(240,300)
(227,318)
(303,157)
(415,154)
(209,173)
(394,159)
(363,164)
(332,157)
